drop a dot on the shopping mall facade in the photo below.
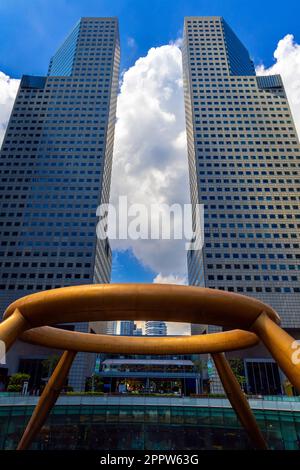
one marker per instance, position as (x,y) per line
(149,423)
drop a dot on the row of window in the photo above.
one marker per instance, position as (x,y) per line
(238,121)
(49,234)
(246,122)
(52,163)
(262,256)
(227,155)
(251,198)
(43,244)
(57,264)
(47,112)
(236,173)
(249,246)
(250,189)
(205,94)
(80,99)
(273,267)
(62,84)
(38,287)
(241,180)
(252,165)
(261,226)
(60,275)
(230,277)
(44,254)
(39,173)
(284,290)
(251,235)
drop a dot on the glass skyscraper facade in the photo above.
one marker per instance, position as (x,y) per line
(156,328)
(56,163)
(244,157)
(127,328)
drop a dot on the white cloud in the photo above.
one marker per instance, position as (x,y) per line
(150,162)
(174,328)
(8,90)
(287,64)
(150,159)
(178,329)
(170,279)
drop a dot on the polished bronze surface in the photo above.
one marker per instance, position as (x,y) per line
(29,318)
(47,399)
(12,328)
(280,345)
(238,400)
(140,302)
(86,342)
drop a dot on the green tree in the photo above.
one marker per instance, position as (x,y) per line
(16,382)
(94,384)
(237,366)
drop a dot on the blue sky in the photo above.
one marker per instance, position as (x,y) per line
(32,30)
(126,268)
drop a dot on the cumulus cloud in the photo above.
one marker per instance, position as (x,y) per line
(8,90)
(287,64)
(174,328)
(150,158)
(150,163)
(170,279)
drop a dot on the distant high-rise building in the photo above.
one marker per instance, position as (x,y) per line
(56,163)
(137,331)
(127,328)
(111,327)
(156,328)
(244,158)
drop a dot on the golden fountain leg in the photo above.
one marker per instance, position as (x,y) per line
(281,345)
(238,400)
(12,328)
(47,399)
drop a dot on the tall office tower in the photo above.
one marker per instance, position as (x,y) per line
(244,157)
(56,163)
(137,331)
(156,328)
(127,328)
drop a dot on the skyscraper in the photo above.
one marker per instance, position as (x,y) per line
(137,331)
(56,163)
(156,328)
(127,328)
(244,157)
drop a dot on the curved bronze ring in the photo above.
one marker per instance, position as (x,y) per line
(150,302)
(29,318)
(140,302)
(86,342)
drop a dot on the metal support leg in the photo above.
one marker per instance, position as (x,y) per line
(238,400)
(47,399)
(283,347)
